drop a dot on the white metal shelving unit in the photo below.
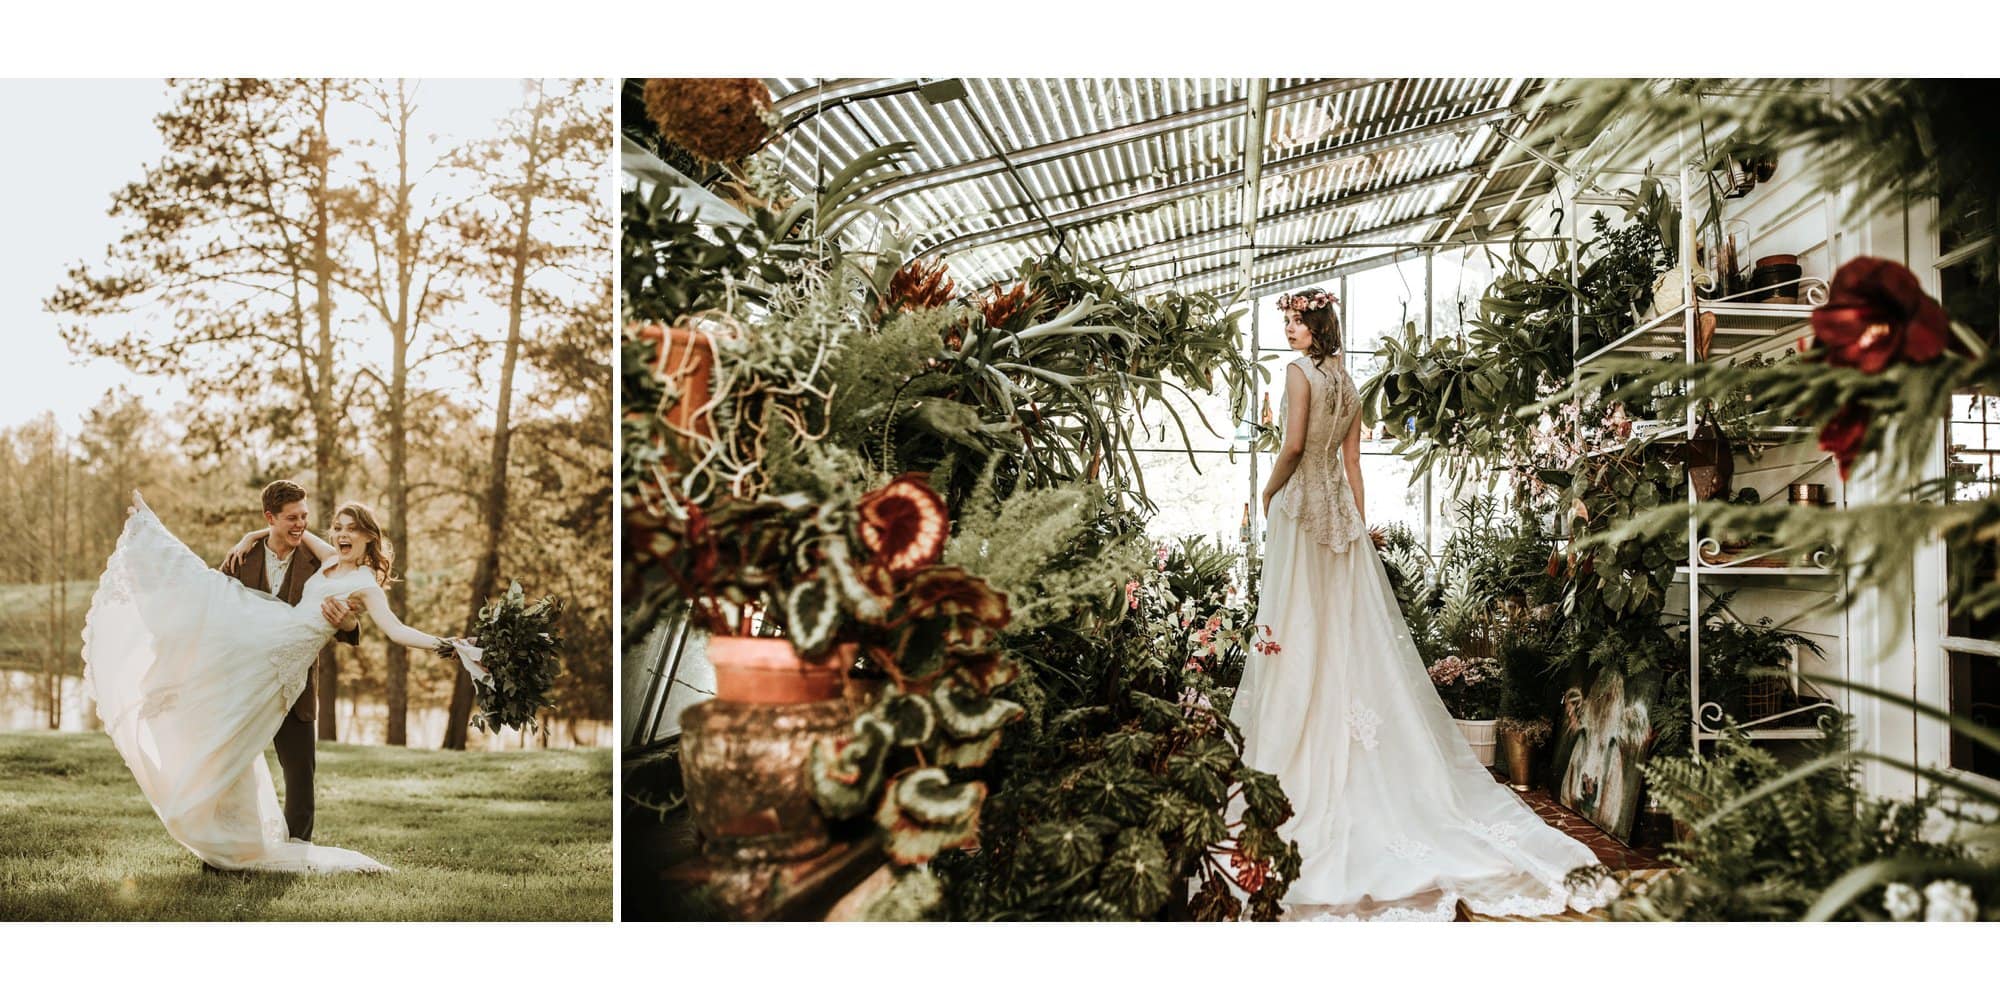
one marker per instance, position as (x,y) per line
(1742,328)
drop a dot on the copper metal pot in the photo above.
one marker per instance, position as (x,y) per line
(1520,759)
(744,768)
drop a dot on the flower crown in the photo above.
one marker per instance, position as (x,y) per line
(1306,301)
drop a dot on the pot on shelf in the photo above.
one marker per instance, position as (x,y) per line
(1480,734)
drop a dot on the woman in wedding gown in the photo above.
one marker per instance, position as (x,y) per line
(1394,816)
(192,673)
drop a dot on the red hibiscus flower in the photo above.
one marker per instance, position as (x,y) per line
(1844,434)
(1876,312)
(905,524)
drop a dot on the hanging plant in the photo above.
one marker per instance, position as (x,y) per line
(720,119)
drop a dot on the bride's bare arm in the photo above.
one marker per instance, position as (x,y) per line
(1298,409)
(321,549)
(402,635)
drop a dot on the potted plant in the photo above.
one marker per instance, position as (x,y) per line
(1471,693)
(1518,740)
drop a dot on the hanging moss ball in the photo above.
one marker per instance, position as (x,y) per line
(720,119)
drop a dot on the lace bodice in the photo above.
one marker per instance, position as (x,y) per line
(1318,497)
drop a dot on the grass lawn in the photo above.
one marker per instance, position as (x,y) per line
(521,835)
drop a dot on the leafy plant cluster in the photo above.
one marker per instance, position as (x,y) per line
(1765,841)
(1736,654)
(1132,783)
(1453,404)
(838,368)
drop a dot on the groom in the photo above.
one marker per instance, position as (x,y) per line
(280,565)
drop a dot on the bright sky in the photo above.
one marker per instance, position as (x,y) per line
(71,144)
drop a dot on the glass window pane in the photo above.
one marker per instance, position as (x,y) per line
(1975,695)
(1208,501)
(1205,416)
(1389,494)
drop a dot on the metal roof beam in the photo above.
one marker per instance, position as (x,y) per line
(1498,160)
(1328,244)
(1303,211)
(1220,182)
(1147,129)
(1253,171)
(802,104)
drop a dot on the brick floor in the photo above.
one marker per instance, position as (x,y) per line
(1628,863)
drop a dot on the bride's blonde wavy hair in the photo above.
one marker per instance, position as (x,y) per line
(378,555)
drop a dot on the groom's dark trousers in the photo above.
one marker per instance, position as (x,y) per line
(295,742)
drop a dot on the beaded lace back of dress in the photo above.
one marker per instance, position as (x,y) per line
(1318,497)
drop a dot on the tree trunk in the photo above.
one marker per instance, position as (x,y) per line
(324,429)
(63,630)
(486,572)
(398,659)
(51,658)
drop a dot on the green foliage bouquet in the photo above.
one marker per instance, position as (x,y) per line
(520,652)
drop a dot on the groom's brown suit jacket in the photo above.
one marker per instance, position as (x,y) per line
(250,571)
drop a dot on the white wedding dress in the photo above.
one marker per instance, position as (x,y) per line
(192,673)
(1394,816)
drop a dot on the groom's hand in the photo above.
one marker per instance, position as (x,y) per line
(341,614)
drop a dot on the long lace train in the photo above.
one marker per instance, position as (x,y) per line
(1395,818)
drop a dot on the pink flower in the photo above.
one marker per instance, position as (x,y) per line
(1132,595)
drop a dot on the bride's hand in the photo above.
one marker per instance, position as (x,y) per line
(235,556)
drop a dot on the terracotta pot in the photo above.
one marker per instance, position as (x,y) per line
(686,362)
(744,769)
(761,671)
(1520,759)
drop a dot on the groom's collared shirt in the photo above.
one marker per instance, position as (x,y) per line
(276,568)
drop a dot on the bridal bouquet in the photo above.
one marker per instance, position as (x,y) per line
(519,657)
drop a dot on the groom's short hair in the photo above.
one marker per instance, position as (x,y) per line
(280,493)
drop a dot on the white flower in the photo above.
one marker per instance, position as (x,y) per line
(1949,900)
(1902,901)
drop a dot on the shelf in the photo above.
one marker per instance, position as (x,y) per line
(1678,432)
(1792,733)
(1739,326)
(1757,571)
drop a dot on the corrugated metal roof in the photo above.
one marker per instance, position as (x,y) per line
(1146,177)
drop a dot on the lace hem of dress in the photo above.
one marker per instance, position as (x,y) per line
(1443,912)
(1558,899)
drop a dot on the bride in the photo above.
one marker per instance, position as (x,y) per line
(1394,816)
(192,673)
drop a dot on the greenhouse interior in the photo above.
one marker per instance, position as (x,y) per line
(967,424)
